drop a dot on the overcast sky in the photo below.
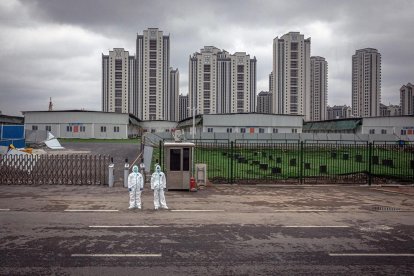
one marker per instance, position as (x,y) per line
(52,48)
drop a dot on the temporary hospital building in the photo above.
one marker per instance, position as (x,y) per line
(83,124)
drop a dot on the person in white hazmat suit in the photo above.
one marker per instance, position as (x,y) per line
(158,184)
(135,187)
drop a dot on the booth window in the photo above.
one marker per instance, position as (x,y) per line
(186,159)
(175,159)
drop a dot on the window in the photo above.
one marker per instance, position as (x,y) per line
(118,75)
(153,81)
(153,64)
(242,130)
(240,86)
(229,130)
(403,132)
(275,130)
(209,129)
(103,128)
(186,159)
(118,64)
(294,130)
(68,128)
(240,77)
(207,77)
(118,84)
(48,128)
(153,55)
(82,128)
(372,131)
(206,85)
(207,68)
(153,73)
(118,93)
(240,68)
(153,44)
(293,55)
(294,46)
(34,127)
(118,102)
(261,130)
(116,128)
(383,131)
(175,159)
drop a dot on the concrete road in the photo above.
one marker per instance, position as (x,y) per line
(221,230)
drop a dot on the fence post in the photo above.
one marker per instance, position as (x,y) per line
(369,164)
(301,163)
(111,174)
(126,173)
(231,161)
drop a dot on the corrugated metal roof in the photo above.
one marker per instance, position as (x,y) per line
(348,124)
(189,122)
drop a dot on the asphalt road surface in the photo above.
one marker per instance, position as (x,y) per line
(221,230)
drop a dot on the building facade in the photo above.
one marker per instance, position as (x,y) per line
(366,83)
(152,74)
(264,102)
(117,81)
(183,107)
(389,110)
(339,112)
(291,75)
(244,124)
(318,88)
(271,82)
(83,124)
(222,83)
(407,99)
(173,86)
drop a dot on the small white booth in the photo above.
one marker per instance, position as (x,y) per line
(178,164)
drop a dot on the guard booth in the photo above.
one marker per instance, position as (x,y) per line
(178,164)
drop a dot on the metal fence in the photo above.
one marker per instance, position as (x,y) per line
(310,162)
(54,169)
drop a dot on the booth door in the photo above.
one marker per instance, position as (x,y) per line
(179,168)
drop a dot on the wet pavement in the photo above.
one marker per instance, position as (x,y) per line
(220,230)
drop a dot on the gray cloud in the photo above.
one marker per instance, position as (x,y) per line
(52,48)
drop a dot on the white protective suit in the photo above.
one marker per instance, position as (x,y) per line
(135,186)
(158,184)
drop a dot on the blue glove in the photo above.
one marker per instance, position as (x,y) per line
(130,189)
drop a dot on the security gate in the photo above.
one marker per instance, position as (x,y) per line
(54,169)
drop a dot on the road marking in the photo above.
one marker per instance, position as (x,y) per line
(90,210)
(116,255)
(4,210)
(197,210)
(123,226)
(316,226)
(301,210)
(371,255)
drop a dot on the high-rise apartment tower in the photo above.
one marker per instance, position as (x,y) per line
(291,75)
(117,81)
(222,83)
(366,83)
(318,88)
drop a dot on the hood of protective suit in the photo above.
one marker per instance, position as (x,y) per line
(135,169)
(158,169)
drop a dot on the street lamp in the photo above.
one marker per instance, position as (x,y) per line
(193,108)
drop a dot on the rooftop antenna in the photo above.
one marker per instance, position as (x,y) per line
(50,104)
